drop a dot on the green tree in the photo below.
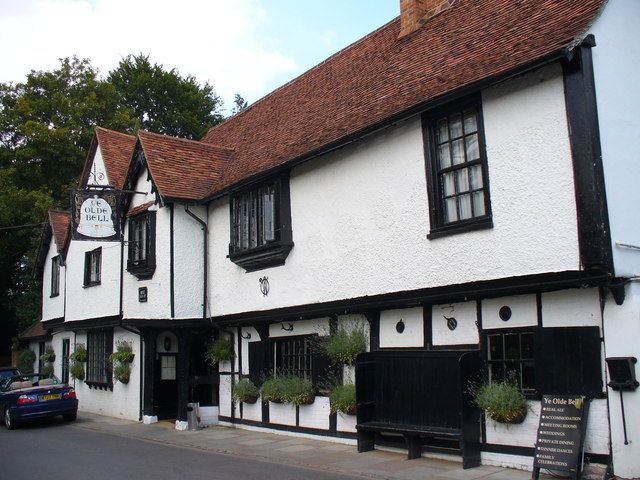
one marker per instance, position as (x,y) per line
(239,104)
(162,100)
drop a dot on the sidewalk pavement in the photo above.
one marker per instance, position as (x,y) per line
(299,452)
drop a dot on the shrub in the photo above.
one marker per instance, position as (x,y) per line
(47,370)
(79,354)
(76,369)
(26,361)
(503,401)
(343,399)
(220,350)
(49,356)
(245,391)
(344,346)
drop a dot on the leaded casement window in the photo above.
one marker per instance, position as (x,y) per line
(261,225)
(141,260)
(294,356)
(168,368)
(511,357)
(457,172)
(55,275)
(99,347)
(92,267)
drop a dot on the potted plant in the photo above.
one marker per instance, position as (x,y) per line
(49,356)
(26,361)
(245,391)
(272,390)
(121,361)
(77,361)
(298,391)
(47,370)
(344,346)
(220,350)
(502,401)
(343,399)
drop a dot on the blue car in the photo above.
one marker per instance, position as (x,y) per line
(26,397)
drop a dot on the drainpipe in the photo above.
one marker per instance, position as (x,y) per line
(203,225)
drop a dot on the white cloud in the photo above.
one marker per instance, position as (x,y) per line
(214,40)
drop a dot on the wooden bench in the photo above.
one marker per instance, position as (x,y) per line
(419,395)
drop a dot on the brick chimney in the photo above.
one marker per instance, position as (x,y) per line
(414,13)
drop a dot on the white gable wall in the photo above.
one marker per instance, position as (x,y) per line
(98,173)
(188,262)
(360,215)
(52,307)
(158,304)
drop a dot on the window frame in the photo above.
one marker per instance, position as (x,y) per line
(99,348)
(55,276)
(91,258)
(66,349)
(438,226)
(284,343)
(142,268)
(527,392)
(265,253)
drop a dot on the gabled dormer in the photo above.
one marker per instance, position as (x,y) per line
(51,265)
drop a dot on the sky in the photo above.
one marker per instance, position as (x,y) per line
(239,46)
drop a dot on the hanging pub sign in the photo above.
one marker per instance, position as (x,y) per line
(561,433)
(96,215)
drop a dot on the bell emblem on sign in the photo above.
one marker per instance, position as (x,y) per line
(95,218)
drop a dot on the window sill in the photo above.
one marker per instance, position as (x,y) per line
(265,256)
(54,295)
(142,271)
(461,227)
(92,284)
(99,385)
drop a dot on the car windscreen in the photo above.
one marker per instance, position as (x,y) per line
(8,373)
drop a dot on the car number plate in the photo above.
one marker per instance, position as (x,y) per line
(52,396)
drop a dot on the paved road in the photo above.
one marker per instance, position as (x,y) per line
(52,450)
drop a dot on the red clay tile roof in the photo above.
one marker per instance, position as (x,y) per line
(116,149)
(381,76)
(183,169)
(139,209)
(60,222)
(34,331)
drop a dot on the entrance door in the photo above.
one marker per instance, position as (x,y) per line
(166,391)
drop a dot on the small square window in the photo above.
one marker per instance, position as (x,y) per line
(510,356)
(167,367)
(92,267)
(457,171)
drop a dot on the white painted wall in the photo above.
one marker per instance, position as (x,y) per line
(124,400)
(98,173)
(97,301)
(616,58)
(622,331)
(158,304)
(571,308)
(523,312)
(52,307)
(466,333)
(56,344)
(360,215)
(188,262)
(413,334)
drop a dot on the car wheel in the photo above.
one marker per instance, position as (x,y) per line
(9,421)
(69,417)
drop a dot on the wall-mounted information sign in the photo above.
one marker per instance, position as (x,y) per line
(563,420)
(95,215)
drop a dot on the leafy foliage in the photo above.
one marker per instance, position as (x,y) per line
(47,370)
(79,354)
(343,399)
(162,100)
(245,391)
(294,390)
(220,350)
(76,369)
(49,356)
(26,361)
(121,361)
(344,346)
(503,401)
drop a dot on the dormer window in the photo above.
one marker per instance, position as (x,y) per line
(261,225)
(141,260)
(55,275)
